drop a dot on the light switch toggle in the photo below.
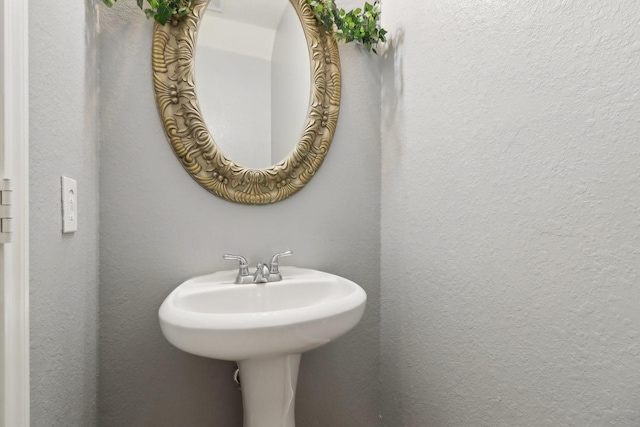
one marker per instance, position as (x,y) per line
(69,205)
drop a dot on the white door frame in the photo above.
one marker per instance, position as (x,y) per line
(14,278)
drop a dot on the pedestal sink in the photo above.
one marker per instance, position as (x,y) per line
(263,327)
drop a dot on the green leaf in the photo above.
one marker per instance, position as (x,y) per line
(161,10)
(358,25)
(163,13)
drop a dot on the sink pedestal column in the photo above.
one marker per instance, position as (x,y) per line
(269,390)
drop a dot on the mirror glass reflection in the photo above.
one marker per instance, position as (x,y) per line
(252,72)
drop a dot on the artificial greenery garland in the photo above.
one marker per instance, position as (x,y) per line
(361,25)
(162,10)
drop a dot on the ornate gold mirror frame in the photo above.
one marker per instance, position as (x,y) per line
(175,91)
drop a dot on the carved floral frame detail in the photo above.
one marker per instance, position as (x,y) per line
(173,53)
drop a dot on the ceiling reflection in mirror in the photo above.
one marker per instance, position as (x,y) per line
(252,72)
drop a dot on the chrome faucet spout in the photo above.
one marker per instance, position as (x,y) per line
(262,274)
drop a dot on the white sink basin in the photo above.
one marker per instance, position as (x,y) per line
(211,316)
(264,327)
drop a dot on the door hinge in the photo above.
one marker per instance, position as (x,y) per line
(6,213)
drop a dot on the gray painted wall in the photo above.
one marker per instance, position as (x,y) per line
(509,225)
(158,228)
(510,206)
(64,268)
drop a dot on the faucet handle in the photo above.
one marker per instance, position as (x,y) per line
(243,268)
(273,267)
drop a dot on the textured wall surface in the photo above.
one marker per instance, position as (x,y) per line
(511,214)
(64,268)
(158,228)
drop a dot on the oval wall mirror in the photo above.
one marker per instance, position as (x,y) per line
(249,95)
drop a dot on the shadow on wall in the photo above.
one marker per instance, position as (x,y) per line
(392,85)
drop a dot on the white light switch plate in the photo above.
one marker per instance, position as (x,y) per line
(69,205)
